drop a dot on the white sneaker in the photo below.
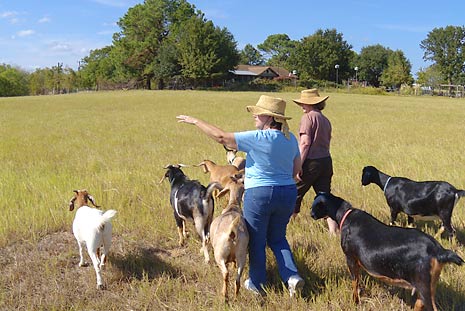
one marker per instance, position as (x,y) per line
(251,287)
(295,284)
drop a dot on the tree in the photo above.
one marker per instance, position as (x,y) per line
(278,47)
(431,76)
(397,71)
(373,60)
(143,31)
(315,56)
(251,56)
(13,81)
(98,69)
(445,47)
(205,51)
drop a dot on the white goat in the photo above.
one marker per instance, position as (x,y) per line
(93,228)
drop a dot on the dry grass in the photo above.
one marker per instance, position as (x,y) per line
(115,145)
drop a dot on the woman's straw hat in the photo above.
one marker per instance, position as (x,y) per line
(269,106)
(310,97)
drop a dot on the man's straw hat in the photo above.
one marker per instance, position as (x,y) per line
(269,106)
(310,97)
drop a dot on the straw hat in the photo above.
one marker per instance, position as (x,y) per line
(269,106)
(310,97)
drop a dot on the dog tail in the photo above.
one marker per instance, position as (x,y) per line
(449,256)
(234,227)
(106,218)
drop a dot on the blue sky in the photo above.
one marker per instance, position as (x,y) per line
(41,33)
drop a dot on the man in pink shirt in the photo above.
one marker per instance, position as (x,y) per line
(314,145)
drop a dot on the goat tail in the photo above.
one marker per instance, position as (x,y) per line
(106,218)
(210,188)
(460,193)
(234,227)
(449,256)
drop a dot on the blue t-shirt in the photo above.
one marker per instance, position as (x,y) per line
(270,157)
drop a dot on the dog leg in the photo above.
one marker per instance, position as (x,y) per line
(436,269)
(418,304)
(410,222)
(355,276)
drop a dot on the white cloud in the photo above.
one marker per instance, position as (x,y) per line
(8,14)
(11,16)
(60,47)
(44,20)
(25,33)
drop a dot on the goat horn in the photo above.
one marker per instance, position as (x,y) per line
(91,199)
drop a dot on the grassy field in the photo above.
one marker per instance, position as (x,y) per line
(116,144)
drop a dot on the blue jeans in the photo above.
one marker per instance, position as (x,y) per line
(267,211)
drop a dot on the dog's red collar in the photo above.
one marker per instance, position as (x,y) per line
(344,218)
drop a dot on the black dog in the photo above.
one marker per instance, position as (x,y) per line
(191,201)
(404,257)
(426,199)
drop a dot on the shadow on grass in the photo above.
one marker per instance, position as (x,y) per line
(447,298)
(145,262)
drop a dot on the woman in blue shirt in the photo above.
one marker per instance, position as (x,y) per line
(272,163)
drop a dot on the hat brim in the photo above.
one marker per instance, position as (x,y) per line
(264,112)
(309,101)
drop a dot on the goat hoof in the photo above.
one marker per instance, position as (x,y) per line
(83,264)
(100,286)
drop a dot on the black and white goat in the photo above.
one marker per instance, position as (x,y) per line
(191,201)
(425,200)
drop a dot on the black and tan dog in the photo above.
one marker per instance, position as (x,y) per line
(191,201)
(404,257)
(427,200)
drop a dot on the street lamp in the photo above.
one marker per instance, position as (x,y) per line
(356,69)
(337,72)
(294,72)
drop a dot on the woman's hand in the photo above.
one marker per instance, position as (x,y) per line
(187,119)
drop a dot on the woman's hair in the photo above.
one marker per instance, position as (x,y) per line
(320,106)
(276,125)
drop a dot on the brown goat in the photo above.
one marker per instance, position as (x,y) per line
(229,235)
(218,173)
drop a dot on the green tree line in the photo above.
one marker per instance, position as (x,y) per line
(170,44)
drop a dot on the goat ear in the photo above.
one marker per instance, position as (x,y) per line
(76,191)
(71,204)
